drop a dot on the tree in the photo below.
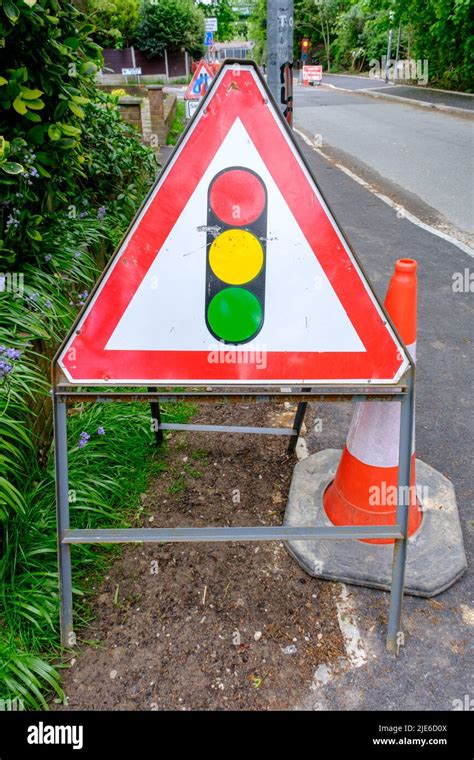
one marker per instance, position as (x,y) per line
(317,19)
(115,21)
(226,16)
(257,25)
(349,49)
(170,23)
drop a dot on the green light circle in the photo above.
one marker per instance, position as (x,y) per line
(234,315)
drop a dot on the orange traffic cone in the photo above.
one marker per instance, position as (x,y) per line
(365,488)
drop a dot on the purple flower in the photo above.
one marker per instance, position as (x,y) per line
(48,257)
(82,298)
(100,430)
(2,349)
(13,353)
(82,214)
(31,299)
(5,368)
(83,438)
(101,212)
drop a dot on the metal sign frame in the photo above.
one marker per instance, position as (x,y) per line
(65,393)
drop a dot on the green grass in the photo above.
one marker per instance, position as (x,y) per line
(181,80)
(178,123)
(109,473)
(192,472)
(106,478)
(177,486)
(200,455)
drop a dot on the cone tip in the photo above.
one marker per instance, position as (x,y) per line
(407,266)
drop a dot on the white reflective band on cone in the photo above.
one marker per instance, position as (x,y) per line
(374,434)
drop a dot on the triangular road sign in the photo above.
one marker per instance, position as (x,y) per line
(234,270)
(200,82)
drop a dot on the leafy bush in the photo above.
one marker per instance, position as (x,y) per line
(47,81)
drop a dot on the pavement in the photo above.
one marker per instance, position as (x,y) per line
(356,83)
(434,670)
(422,159)
(438,97)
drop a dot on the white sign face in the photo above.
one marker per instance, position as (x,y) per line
(309,307)
(210,24)
(131,72)
(313,73)
(191,107)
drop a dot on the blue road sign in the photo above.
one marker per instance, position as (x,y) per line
(203,79)
(208,39)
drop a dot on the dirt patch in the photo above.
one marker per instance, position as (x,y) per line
(209,626)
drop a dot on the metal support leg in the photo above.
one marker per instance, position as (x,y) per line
(62,511)
(156,416)
(394,634)
(299,417)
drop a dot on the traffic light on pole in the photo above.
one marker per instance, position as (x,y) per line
(305,45)
(236,255)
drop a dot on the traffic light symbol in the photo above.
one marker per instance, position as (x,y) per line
(236,255)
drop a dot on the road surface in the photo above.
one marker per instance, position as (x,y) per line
(435,667)
(423,160)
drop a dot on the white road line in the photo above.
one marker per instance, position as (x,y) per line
(404,214)
(356,655)
(355,648)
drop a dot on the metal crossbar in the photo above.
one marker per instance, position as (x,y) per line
(228,429)
(174,535)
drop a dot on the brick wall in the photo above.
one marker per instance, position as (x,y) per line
(148,109)
(130,111)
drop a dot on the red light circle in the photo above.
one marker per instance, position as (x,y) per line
(237,197)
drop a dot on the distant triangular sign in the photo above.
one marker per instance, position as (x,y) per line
(200,81)
(234,270)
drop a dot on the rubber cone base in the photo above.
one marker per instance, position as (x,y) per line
(435,557)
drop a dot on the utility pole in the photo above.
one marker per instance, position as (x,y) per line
(397,54)
(389,45)
(280,54)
